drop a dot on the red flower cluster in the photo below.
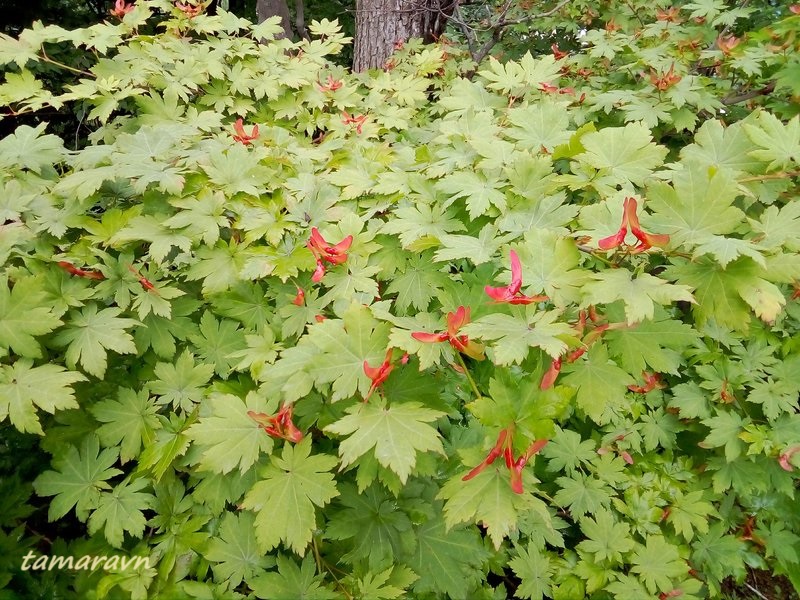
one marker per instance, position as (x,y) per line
(652,381)
(241,136)
(665,81)
(121,8)
(324,252)
(188,9)
(549,378)
(331,85)
(380,373)
(358,121)
(511,293)
(461,343)
(629,218)
(783,459)
(279,426)
(300,298)
(504,446)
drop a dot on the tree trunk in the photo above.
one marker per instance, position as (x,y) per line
(380,24)
(272,8)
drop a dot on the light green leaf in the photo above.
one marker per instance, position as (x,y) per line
(397,433)
(23,388)
(291,487)
(89,334)
(128,422)
(80,477)
(229,438)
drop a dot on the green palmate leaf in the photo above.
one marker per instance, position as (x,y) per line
(628,153)
(120,511)
(779,142)
(725,294)
(567,451)
(658,564)
(218,342)
(182,384)
(722,148)
(653,345)
(607,538)
(479,193)
(535,571)
(532,411)
(689,514)
(234,552)
(696,207)
(541,125)
(421,221)
(583,494)
(417,284)
(379,532)
(128,422)
(550,265)
(342,347)
(448,561)
(517,335)
(292,582)
(385,585)
(638,294)
(150,229)
(171,441)
(80,477)
(779,227)
(601,384)
(23,316)
(291,486)
(719,554)
(479,250)
(23,388)
(487,499)
(229,438)
(27,148)
(397,433)
(90,333)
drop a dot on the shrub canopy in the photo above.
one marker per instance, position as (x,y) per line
(292,332)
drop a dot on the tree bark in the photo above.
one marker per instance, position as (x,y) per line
(380,24)
(271,8)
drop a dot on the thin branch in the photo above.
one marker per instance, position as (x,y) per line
(502,23)
(781,175)
(468,32)
(744,97)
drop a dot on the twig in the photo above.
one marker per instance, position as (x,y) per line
(781,175)
(745,96)
(502,23)
(469,377)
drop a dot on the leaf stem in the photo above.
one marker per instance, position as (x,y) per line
(324,566)
(781,175)
(47,59)
(469,377)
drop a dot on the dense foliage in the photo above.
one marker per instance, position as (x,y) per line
(296,333)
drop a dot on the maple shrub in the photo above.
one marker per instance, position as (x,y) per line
(292,332)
